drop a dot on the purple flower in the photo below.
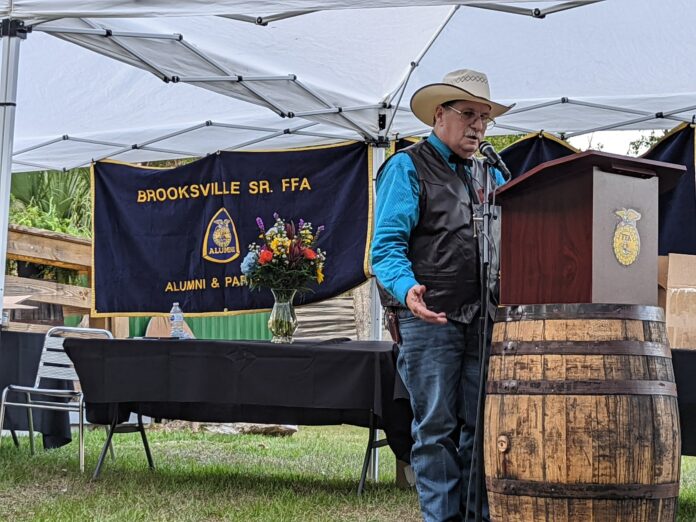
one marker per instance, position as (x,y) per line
(259,223)
(276,216)
(320,229)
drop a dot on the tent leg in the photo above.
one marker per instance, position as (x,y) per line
(12,32)
(378,157)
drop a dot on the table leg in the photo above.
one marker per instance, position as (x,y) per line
(368,453)
(107,444)
(141,429)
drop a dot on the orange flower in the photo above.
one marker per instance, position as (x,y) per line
(265,257)
(310,254)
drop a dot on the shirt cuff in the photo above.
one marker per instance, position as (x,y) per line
(402,287)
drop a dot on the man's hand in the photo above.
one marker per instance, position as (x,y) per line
(415,303)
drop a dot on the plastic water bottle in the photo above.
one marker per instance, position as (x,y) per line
(176,322)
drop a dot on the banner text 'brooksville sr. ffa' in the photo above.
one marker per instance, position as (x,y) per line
(180,234)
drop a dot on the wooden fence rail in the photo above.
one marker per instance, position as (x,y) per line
(44,247)
(49,248)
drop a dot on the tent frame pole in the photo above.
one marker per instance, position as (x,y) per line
(534,13)
(149,65)
(12,32)
(270,136)
(401,87)
(378,158)
(265,101)
(96,31)
(37,166)
(122,148)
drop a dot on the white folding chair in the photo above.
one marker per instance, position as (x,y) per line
(54,364)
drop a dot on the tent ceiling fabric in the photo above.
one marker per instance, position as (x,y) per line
(608,64)
(313,63)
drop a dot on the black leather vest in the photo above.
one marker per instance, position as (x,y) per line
(443,247)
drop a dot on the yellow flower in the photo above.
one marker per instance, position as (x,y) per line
(280,245)
(320,274)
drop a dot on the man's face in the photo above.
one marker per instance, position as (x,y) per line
(461,131)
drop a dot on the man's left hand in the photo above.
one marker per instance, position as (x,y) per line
(415,303)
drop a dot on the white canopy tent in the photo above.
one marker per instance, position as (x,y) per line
(188,78)
(330,75)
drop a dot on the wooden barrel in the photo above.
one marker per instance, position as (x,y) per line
(581,419)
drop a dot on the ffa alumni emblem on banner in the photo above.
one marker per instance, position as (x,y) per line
(626,237)
(221,244)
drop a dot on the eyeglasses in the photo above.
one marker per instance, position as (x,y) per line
(469,116)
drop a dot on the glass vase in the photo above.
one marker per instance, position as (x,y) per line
(283,322)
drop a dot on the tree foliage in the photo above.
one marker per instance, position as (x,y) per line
(57,201)
(500,142)
(642,144)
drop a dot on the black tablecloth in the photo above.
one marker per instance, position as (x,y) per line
(315,383)
(19,360)
(684,362)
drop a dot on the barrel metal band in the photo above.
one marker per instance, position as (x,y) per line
(636,348)
(579,311)
(594,387)
(529,488)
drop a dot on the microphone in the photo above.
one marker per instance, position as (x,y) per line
(494,159)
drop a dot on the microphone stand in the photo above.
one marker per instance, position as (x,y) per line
(483,351)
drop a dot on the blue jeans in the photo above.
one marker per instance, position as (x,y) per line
(439,366)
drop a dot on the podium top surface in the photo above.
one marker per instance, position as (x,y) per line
(668,173)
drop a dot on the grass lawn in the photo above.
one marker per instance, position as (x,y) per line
(311,476)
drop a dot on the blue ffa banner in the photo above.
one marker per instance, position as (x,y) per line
(534,149)
(166,235)
(677,233)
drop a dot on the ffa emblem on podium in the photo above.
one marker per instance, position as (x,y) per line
(221,244)
(626,237)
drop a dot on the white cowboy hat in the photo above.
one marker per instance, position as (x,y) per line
(463,84)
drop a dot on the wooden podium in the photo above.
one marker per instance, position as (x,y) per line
(583,229)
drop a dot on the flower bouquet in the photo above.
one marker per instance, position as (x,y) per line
(285,260)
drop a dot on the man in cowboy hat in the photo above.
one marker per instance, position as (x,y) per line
(426,257)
